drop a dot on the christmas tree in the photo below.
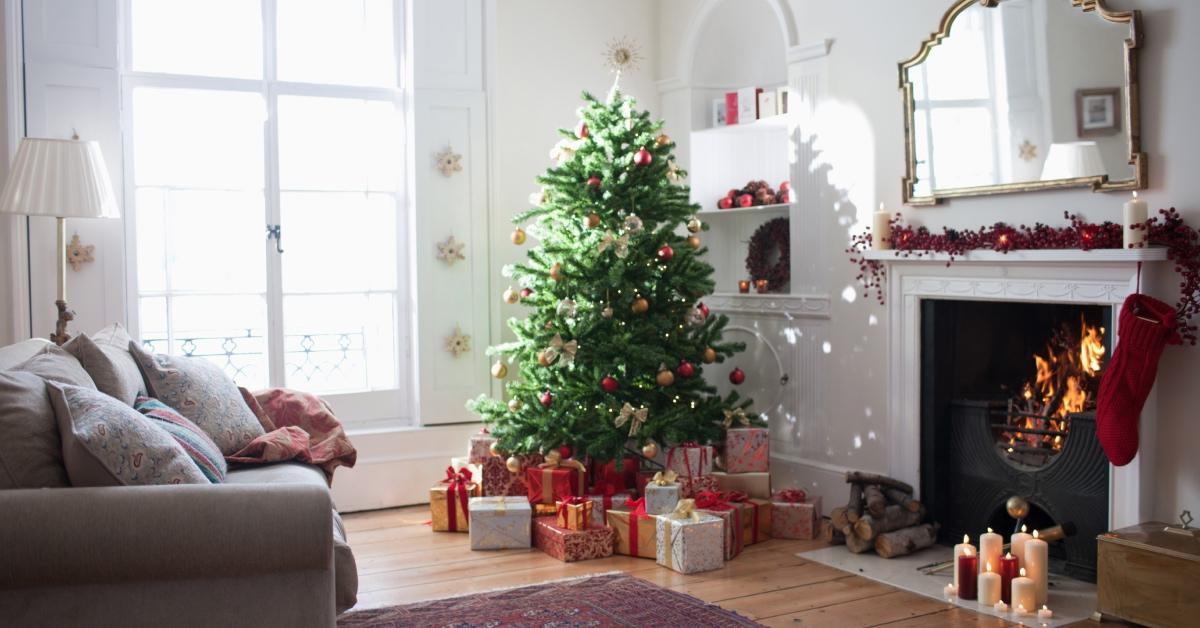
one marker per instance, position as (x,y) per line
(613,347)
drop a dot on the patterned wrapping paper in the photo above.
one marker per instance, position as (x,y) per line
(689,543)
(731,515)
(690,460)
(756,518)
(549,483)
(606,477)
(447,509)
(747,449)
(606,502)
(572,545)
(689,488)
(500,523)
(756,485)
(636,533)
(662,493)
(574,513)
(498,480)
(795,519)
(479,447)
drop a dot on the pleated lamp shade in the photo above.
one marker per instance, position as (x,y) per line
(61,178)
(1071,160)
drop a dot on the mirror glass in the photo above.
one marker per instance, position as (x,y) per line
(1026,91)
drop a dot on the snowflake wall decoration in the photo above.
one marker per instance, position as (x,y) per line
(448,162)
(458,343)
(79,253)
(450,250)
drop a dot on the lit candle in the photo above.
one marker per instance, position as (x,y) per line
(1018,545)
(959,550)
(1024,594)
(881,229)
(1136,212)
(990,545)
(1009,566)
(1000,607)
(968,574)
(761,285)
(951,592)
(1037,555)
(989,586)
(1045,613)
(744,286)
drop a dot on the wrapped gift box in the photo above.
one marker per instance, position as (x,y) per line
(747,450)
(794,515)
(756,517)
(449,501)
(662,493)
(711,503)
(604,502)
(574,513)
(552,481)
(757,485)
(500,523)
(636,531)
(691,487)
(498,480)
(480,447)
(606,477)
(544,510)
(461,462)
(572,545)
(688,541)
(690,460)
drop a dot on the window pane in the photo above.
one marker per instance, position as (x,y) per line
(346,42)
(204,37)
(338,343)
(338,242)
(151,243)
(228,330)
(957,66)
(214,240)
(198,138)
(961,135)
(339,144)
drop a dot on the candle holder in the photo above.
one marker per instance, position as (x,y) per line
(744,286)
(761,286)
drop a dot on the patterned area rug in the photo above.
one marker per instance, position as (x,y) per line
(607,600)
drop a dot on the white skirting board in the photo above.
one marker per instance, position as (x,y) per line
(1071,600)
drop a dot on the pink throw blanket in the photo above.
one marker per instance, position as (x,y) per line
(300,426)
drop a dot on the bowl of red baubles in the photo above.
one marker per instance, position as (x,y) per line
(756,193)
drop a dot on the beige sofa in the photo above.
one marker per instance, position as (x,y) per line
(264,549)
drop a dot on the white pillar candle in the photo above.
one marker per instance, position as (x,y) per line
(1136,212)
(881,229)
(1018,545)
(1045,614)
(1024,594)
(959,550)
(1037,556)
(989,586)
(990,545)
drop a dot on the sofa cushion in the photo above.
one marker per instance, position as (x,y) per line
(115,337)
(54,364)
(203,451)
(102,365)
(30,451)
(107,443)
(202,392)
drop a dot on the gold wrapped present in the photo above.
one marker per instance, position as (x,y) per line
(544,510)
(449,501)
(756,517)
(574,513)
(637,534)
(756,485)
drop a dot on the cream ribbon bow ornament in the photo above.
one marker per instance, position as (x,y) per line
(635,418)
(685,509)
(619,245)
(738,415)
(565,350)
(663,478)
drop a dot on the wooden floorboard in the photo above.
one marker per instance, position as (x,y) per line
(400,560)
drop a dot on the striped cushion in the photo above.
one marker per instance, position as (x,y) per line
(195,442)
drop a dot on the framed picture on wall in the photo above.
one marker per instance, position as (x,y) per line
(1097,111)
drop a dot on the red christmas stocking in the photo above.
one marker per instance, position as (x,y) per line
(1146,325)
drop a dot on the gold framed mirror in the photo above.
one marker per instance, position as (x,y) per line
(1020,96)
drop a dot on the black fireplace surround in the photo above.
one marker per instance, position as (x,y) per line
(975,355)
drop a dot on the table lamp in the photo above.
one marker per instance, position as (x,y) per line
(64,179)
(1071,160)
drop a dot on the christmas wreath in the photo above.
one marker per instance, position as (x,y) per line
(772,237)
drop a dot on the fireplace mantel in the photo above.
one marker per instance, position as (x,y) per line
(1100,276)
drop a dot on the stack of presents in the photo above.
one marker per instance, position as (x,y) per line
(675,509)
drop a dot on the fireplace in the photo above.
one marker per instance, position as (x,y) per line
(1007,406)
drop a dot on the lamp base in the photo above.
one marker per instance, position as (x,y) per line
(65,315)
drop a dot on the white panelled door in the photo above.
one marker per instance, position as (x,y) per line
(277,122)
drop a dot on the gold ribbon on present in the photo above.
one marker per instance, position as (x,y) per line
(685,509)
(553,463)
(635,418)
(559,348)
(738,415)
(663,478)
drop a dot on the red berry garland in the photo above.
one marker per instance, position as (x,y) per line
(773,235)
(1167,230)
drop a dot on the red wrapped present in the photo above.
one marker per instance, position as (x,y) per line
(572,545)
(794,515)
(689,488)
(498,481)
(605,475)
(747,449)
(574,513)
(449,500)
(712,503)
(756,516)
(556,479)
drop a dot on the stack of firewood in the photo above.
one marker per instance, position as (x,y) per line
(881,515)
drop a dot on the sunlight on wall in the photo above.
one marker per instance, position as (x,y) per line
(845,144)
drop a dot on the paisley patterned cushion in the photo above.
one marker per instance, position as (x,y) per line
(203,451)
(107,443)
(202,392)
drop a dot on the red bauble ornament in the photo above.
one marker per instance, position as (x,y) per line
(665,252)
(548,398)
(703,309)
(642,157)
(785,196)
(785,186)
(581,130)
(736,377)
(685,369)
(594,182)
(609,384)
(526,293)
(745,200)
(565,451)
(725,203)
(732,193)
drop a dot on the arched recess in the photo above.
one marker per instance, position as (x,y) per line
(784,21)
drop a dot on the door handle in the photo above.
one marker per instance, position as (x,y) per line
(275,232)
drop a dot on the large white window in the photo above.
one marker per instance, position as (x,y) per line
(265,178)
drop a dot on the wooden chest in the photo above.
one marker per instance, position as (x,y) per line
(1150,576)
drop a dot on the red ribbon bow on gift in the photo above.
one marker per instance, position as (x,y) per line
(709,500)
(458,480)
(637,507)
(791,496)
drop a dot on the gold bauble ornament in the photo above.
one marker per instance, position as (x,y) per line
(710,355)
(665,377)
(640,305)
(556,272)
(694,225)
(650,449)
(515,405)
(499,370)
(607,312)
(1017,506)
(592,221)
(513,464)
(662,140)
(693,242)
(511,296)
(518,236)
(494,448)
